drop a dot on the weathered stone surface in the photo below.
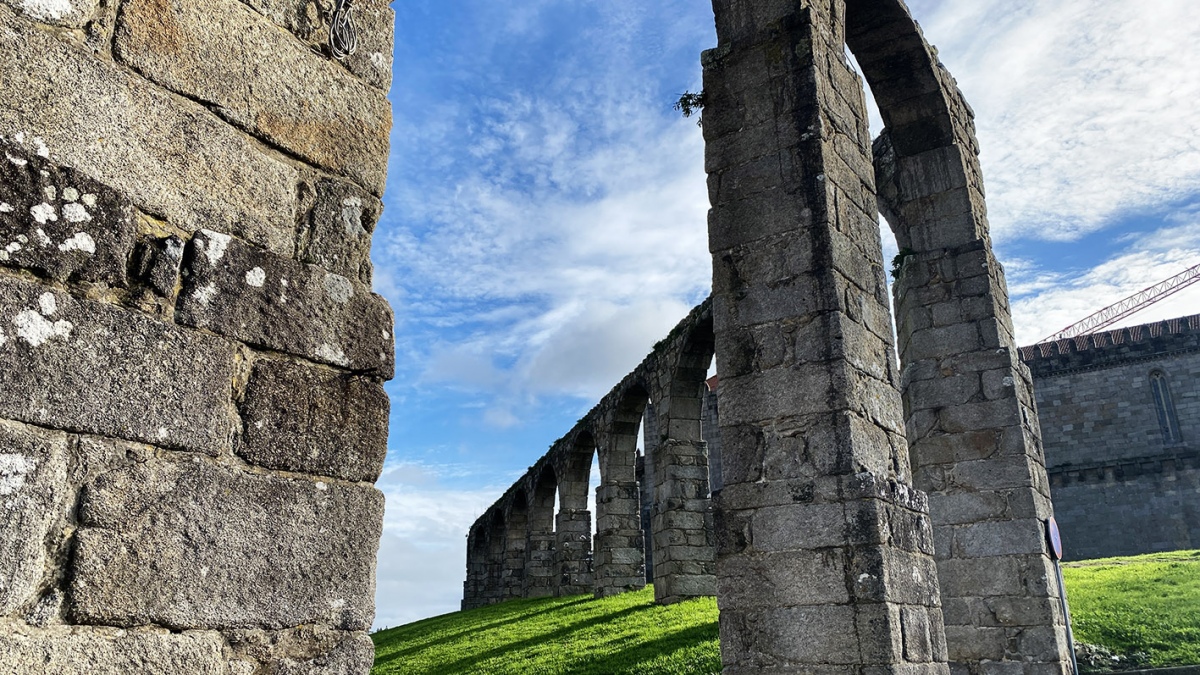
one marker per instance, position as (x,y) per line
(58,222)
(337,227)
(309,21)
(189,544)
(308,650)
(302,102)
(280,304)
(67,650)
(66,13)
(175,159)
(85,366)
(159,265)
(314,420)
(33,473)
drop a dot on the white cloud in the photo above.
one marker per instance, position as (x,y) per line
(1086,108)
(1045,301)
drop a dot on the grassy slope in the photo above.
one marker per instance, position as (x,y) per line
(627,633)
(1146,603)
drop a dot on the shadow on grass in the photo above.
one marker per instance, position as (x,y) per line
(430,627)
(633,659)
(470,663)
(417,634)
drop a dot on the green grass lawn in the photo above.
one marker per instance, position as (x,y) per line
(627,633)
(1148,604)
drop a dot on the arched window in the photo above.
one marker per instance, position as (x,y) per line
(1165,408)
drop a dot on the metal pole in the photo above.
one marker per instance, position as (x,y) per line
(1062,590)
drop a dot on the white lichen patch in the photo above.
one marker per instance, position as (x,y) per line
(215,247)
(206,293)
(43,238)
(75,213)
(43,213)
(36,330)
(352,217)
(338,287)
(46,9)
(13,470)
(321,486)
(88,199)
(13,247)
(48,304)
(70,194)
(51,193)
(379,60)
(332,354)
(337,603)
(5,207)
(39,145)
(16,160)
(80,241)
(256,277)
(163,433)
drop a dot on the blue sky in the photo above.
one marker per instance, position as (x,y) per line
(545,213)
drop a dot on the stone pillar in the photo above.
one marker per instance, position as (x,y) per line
(824,553)
(192,361)
(476,571)
(970,415)
(646,495)
(573,528)
(682,523)
(619,566)
(515,543)
(710,422)
(539,565)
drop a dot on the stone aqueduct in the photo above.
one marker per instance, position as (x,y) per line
(192,360)
(871,519)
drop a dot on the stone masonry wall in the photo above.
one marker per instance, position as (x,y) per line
(1121,485)
(191,357)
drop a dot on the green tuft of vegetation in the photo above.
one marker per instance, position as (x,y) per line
(691,103)
(623,634)
(1135,610)
(1148,604)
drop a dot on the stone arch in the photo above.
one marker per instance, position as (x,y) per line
(494,539)
(477,568)
(516,534)
(540,548)
(964,387)
(620,543)
(573,524)
(681,518)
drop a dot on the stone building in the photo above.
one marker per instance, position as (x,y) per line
(191,357)
(1120,413)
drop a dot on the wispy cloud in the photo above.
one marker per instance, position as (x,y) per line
(1086,108)
(1047,300)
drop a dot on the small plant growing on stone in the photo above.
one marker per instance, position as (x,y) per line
(898,261)
(691,103)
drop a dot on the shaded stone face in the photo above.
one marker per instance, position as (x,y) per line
(190,544)
(81,365)
(68,651)
(33,467)
(314,420)
(173,158)
(59,223)
(277,303)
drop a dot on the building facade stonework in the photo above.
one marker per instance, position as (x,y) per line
(1120,415)
(191,357)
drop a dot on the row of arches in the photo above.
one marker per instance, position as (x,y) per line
(651,502)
